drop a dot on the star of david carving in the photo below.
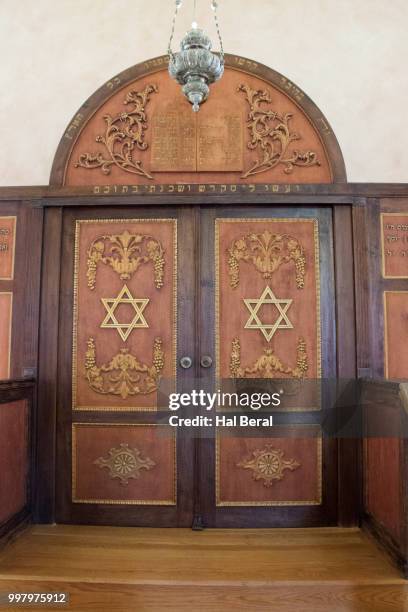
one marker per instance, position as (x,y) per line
(282,306)
(124,329)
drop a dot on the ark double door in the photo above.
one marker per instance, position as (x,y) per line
(157,301)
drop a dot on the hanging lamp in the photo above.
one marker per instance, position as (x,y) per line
(195,66)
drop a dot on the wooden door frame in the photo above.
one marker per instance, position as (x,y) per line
(343,207)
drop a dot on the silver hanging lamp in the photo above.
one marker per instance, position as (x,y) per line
(195,66)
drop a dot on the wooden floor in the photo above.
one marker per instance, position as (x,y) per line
(118,569)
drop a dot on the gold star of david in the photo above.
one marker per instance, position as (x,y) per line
(124,329)
(282,322)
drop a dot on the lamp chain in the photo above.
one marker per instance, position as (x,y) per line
(173,28)
(214,6)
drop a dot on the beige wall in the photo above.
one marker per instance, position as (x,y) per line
(349,57)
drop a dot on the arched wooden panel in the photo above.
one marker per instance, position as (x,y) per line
(256,128)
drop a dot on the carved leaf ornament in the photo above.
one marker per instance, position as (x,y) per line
(271,136)
(125,253)
(124,136)
(267,252)
(124,375)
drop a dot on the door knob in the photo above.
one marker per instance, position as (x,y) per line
(186,362)
(206,361)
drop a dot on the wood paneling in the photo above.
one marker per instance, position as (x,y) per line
(124,464)
(383,493)
(243,462)
(394,243)
(6,319)
(395,333)
(17,428)
(385,465)
(8,227)
(385,452)
(14,458)
(349,296)
(22,280)
(48,363)
(338,193)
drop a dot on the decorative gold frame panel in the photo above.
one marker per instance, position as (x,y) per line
(136,502)
(78,224)
(318,309)
(247,504)
(13,247)
(382,215)
(386,343)
(10,328)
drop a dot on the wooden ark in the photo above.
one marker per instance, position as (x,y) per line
(231,237)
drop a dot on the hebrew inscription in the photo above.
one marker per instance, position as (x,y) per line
(183,142)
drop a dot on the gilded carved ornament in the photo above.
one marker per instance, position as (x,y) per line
(124,375)
(124,329)
(268,365)
(267,252)
(125,253)
(271,136)
(268,465)
(125,463)
(281,305)
(124,135)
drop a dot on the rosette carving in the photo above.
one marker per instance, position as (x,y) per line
(125,253)
(124,375)
(268,464)
(267,252)
(124,135)
(125,463)
(271,136)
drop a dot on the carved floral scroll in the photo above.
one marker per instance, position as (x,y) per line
(124,375)
(124,136)
(268,365)
(271,136)
(266,252)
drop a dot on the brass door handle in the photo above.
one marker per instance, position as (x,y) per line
(206,361)
(186,362)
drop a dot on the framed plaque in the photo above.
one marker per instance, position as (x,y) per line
(394,245)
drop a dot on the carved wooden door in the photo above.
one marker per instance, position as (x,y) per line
(267,292)
(132,282)
(126,309)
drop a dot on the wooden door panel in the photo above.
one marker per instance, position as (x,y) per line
(122,280)
(267,274)
(283,468)
(125,324)
(107,470)
(268,278)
